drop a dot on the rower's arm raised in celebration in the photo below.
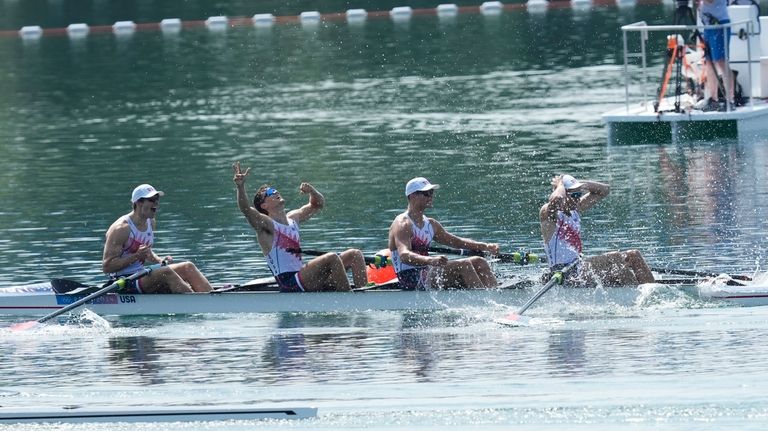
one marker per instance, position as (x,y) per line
(258,220)
(315,204)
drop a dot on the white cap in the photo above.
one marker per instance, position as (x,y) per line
(571,183)
(419,184)
(144,191)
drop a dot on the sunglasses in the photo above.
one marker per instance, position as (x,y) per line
(426,193)
(576,195)
(153,199)
(270,192)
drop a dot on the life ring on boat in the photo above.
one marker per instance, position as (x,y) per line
(383,272)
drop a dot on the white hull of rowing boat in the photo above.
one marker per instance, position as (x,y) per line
(154,414)
(273,302)
(25,304)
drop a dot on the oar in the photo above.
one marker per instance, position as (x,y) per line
(103,291)
(697,273)
(517,319)
(376,260)
(520,258)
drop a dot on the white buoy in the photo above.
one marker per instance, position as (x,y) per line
(78,30)
(311,17)
(447,10)
(124,27)
(31,32)
(217,22)
(581,4)
(491,8)
(356,15)
(263,20)
(401,13)
(537,5)
(170,25)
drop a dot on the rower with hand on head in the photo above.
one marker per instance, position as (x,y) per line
(128,246)
(560,220)
(277,232)
(410,236)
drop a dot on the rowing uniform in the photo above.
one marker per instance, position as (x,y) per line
(284,259)
(415,277)
(136,238)
(564,246)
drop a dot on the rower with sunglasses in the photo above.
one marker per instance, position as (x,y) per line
(410,236)
(128,247)
(277,233)
(560,220)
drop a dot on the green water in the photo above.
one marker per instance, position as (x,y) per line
(490,107)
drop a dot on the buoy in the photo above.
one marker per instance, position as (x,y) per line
(491,8)
(217,22)
(124,27)
(401,13)
(310,17)
(536,4)
(263,19)
(31,32)
(383,273)
(78,30)
(447,10)
(356,15)
(170,25)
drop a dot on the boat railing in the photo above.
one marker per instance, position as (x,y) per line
(643,30)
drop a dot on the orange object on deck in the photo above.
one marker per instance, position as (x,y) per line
(381,274)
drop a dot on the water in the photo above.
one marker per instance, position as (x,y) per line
(489,107)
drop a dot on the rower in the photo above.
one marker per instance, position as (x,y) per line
(278,235)
(128,247)
(560,220)
(410,236)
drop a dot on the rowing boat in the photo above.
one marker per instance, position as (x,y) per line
(40,299)
(75,414)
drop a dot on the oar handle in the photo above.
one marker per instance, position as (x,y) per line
(520,258)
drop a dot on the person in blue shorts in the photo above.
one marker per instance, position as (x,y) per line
(715,12)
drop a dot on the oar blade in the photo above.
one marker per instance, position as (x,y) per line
(23,326)
(514,320)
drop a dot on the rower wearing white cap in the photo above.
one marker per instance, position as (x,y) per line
(128,247)
(560,221)
(410,236)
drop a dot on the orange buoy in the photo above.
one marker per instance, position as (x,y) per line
(382,273)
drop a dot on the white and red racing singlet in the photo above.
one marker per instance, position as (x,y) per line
(421,238)
(564,246)
(136,239)
(286,237)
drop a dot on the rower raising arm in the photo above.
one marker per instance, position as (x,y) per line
(277,232)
